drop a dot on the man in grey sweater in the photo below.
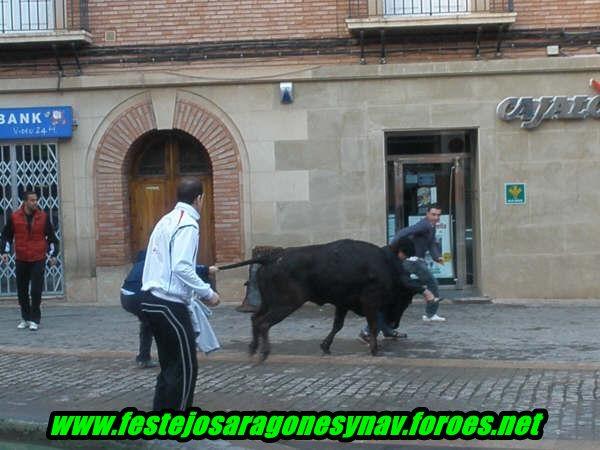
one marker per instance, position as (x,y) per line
(422,234)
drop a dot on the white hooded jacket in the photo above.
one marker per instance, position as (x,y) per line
(170,266)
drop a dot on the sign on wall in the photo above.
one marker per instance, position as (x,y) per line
(533,111)
(43,122)
(515,193)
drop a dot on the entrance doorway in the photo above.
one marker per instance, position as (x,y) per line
(160,160)
(434,168)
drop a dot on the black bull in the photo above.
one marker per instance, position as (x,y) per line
(352,275)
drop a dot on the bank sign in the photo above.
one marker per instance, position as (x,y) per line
(533,111)
(36,123)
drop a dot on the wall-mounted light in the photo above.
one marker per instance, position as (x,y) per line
(286,92)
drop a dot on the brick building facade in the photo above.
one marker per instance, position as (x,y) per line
(392,104)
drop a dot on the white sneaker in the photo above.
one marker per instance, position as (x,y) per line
(23,324)
(34,326)
(434,318)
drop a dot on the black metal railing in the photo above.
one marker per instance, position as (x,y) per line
(421,8)
(28,16)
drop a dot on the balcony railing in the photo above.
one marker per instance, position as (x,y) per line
(43,16)
(425,8)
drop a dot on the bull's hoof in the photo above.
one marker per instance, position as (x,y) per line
(252,349)
(325,349)
(263,357)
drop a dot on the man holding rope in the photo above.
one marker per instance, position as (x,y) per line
(169,282)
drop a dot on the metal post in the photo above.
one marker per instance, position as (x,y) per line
(382,59)
(459,211)
(499,41)
(477,43)
(362,47)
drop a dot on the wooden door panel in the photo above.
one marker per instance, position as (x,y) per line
(149,202)
(154,195)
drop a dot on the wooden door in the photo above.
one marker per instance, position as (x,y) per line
(149,202)
(160,163)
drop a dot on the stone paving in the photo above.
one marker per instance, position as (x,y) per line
(486,357)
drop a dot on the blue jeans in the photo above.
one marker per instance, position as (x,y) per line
(418,266)
(431,308)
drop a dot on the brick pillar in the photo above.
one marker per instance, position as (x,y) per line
(226,171)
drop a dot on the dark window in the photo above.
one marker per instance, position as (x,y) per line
(413,144)
(152,161)
(193,158)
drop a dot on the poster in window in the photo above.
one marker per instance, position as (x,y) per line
(442,234)
(423,197)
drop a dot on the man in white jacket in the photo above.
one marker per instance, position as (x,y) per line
(169,282)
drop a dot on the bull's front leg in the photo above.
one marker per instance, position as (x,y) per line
(253,347)
(338,323)
(371,316)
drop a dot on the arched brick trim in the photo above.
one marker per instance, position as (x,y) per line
(226,170)
(112,190)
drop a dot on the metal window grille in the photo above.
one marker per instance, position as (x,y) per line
(421,8)
(30,166)
(27,15)
(425,7)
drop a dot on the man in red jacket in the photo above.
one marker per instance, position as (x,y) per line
(32,231)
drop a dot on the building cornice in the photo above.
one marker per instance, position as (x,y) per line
(247,74)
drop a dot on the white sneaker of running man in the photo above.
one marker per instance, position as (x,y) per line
(34,326)
(23,324)
(434,318)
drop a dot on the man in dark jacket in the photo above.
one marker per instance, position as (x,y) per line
(32,231)
(132,296)
(422,234)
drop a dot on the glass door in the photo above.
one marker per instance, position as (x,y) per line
(417,182)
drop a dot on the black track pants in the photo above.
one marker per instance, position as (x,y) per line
(172,329)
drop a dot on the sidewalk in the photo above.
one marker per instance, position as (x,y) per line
(497,356)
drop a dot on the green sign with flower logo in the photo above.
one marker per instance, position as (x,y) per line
(515,193)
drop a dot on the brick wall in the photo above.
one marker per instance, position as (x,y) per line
(193,21)
(557,13)
(151,22)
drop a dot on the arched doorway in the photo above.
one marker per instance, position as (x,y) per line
(160,159)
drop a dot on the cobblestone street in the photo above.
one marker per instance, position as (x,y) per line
(81,359)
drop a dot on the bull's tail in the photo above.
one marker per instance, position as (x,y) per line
(260,260)
(260,255)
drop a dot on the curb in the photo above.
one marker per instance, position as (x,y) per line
(33,433)
(343,360)
(472,301)
(24,432)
